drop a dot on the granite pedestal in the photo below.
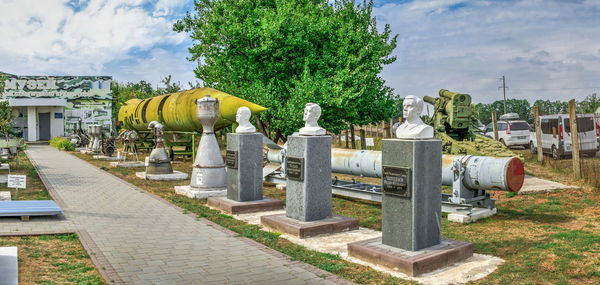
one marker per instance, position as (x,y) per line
(411,263)
(412,203)
(244,177)
(234,207)
(411,207)
(308,191)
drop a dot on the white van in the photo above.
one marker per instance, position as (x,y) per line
(511,133)
(556,135)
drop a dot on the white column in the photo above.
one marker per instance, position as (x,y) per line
(32,129)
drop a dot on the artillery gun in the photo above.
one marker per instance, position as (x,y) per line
(455,123)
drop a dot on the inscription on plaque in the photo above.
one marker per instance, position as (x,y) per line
(294,168)
(231,159)
(396,181)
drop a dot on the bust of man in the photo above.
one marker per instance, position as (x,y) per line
(242,117)
(312,113)
(413,127)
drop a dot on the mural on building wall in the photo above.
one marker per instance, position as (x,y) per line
(88,97)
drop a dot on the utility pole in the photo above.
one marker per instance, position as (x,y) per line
(504,87)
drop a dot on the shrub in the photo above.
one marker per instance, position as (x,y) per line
(62,143)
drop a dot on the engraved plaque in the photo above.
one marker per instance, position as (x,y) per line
(294,168)
(231,159)
(396,181)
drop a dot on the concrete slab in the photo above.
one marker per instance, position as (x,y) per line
(9,266)
(471,216)
(5,196)
(197,193)
(234,207)
(4,179)
(104,157)
(474,268)
(538,185)
(4,166)
(176,175)
(127,164)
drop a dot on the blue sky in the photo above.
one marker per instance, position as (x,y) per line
(546,49)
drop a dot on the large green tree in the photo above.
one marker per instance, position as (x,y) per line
(519,106)
(283,54)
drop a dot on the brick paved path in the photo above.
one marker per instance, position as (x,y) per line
(135,238)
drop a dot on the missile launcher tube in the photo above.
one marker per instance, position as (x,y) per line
(482,172)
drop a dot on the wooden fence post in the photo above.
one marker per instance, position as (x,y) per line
(352,141)
(538,133)
(574,140)
(495,125)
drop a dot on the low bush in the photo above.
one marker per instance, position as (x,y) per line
(62,143)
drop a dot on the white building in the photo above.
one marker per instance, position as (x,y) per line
(48,106)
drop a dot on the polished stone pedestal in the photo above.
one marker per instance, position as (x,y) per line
(244,163)
(411,263)
(234,207)
(412,191)
(330,225)
(308,169)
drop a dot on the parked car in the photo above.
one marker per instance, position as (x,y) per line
(511,131)
(556,135)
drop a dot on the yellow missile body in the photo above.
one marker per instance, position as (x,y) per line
(177,111)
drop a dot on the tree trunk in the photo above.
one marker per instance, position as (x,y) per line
(261,127)
(352,137)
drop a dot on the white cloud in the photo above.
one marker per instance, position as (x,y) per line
(51,37)
(543,47)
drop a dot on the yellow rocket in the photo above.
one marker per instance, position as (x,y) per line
(177,111)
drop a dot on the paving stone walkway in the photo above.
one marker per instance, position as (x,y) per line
(136,238)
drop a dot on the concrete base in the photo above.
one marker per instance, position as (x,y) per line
(330,225)
(85,151)
(127,164)
(234,207)
(411,263)
(176,175)
(4,166)
(104,157)
(9,266)
(472,216)
(537,185)
(5,196)
(200,193)
(4,179)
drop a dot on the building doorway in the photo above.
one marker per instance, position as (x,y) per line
(44,126)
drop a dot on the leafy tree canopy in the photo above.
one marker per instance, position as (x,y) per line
(283,54)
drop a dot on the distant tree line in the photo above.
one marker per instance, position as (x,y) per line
(525,110)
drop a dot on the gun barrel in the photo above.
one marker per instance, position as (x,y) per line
(447,94)
(429,100)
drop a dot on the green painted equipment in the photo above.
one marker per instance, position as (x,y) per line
(455,124)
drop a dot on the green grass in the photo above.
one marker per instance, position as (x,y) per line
(53,259)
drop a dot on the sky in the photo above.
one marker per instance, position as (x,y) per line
(545,49)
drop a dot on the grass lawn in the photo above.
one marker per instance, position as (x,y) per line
(53,259)
(35,188)
(549,238)
(47,259)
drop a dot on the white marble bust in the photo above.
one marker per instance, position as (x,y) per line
(242,117)
(312,113)
(413,127)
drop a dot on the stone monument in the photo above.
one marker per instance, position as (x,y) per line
(209,178)
(411,206)
(244,171)
(308,190)
(159,165)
